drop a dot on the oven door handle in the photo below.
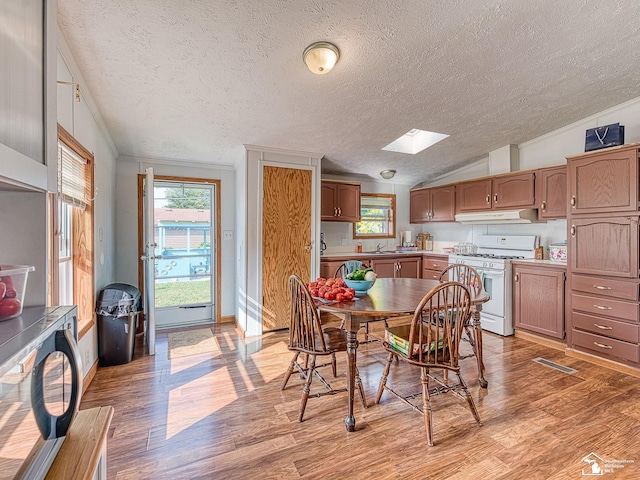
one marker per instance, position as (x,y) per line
(490,273)
(55,426)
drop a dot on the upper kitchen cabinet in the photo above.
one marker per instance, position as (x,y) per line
(604,181)
(497,193)
(27,134)
(551,196)
(340,202)
(435,204)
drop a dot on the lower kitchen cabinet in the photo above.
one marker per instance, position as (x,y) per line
(328,269)
(538,299)
(433,265)
(397,267)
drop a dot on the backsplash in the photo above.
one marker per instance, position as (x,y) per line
(339,236)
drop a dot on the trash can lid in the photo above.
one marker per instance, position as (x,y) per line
(122,296)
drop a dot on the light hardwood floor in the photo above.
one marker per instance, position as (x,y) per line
(223,416)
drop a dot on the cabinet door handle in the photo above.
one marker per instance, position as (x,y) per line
(339,211)
(602,307)
(335,211)
(488,199)
(495,198)
(601,287)
(601,345)
(516,278)
(603,327)
(573,230)
(573,201)
(543,206)
(435,265)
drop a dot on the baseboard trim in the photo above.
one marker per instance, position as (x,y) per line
(88,378)
(547,342)
(227,319)
(603,362)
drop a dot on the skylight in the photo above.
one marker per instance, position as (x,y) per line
(415,141)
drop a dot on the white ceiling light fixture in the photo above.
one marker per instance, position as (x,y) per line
(387,174)
(321,57)
(415,141)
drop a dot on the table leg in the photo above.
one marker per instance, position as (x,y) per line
(478,345)
(352,326)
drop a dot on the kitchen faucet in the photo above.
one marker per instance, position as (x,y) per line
(378,248)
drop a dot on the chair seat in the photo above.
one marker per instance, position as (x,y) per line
(335,339)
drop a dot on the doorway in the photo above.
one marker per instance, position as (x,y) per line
(286,239)
(186,216)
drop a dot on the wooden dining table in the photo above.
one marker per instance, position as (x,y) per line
(393,297)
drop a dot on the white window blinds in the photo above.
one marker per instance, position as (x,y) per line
(72,179)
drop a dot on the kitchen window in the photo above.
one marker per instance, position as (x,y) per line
(377,216)
(71,218)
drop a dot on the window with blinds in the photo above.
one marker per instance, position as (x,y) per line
(72,177)
(377,216)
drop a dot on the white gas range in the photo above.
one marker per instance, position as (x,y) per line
(493,262)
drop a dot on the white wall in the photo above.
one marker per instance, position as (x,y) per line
(84,122)
(126,202)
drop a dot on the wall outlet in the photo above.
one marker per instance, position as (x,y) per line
(86,357)
(343,242)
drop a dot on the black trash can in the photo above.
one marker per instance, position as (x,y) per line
(117,309)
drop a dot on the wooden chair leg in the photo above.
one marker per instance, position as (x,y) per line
(334,367)
(470,402)
(366,332)
(426,405)
(289,371)
(363,399)
(306,389)
(383,379)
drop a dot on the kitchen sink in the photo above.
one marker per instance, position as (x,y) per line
(383,252)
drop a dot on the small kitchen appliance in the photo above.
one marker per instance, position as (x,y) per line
(493,262)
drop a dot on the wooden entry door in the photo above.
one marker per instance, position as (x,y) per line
(286,239)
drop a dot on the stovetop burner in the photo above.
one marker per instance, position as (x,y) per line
(490,255)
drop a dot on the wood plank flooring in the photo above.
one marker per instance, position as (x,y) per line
(223,416)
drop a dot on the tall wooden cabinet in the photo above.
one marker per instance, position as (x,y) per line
(436,204)
(603,253)
(340,202)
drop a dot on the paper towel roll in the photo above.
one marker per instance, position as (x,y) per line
(407,236)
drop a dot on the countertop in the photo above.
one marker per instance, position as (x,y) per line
(390,253)
(529,261)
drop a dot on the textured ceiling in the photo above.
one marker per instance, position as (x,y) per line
(195,80)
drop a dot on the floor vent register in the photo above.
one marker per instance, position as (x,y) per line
(557,366)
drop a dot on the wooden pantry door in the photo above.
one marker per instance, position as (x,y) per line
(286,239)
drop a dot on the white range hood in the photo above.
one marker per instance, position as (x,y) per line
(494,217)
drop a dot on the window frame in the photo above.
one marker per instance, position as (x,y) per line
(82,240)
(392,232)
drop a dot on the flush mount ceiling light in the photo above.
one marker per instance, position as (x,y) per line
(321,57)
(415,141)
(387,174)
